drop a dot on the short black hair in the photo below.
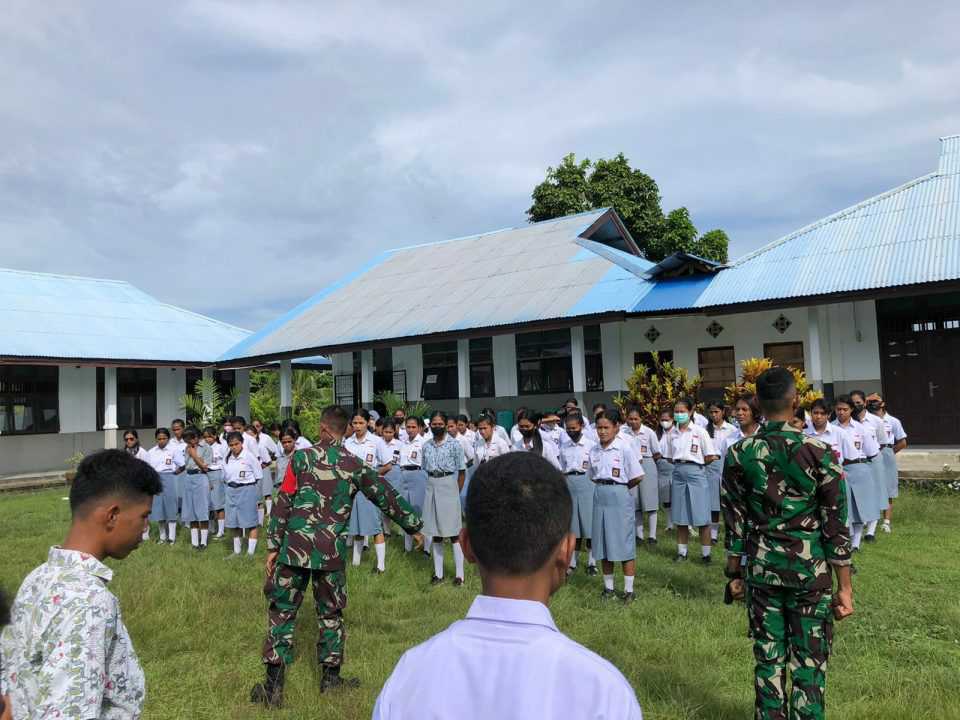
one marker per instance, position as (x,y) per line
(4,609)
(336,417)
(111,472)
(439,414)
(518,511)
(611,414)
(190,433)
(860,393)
(773,386)
(177,421)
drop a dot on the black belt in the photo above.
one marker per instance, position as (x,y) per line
(870,459)
(686,462)
(607,481)
(194,472)
(888,446)
(410,467)
(853,462)
(469,463)
(575,472)
(440,474)
(240,485)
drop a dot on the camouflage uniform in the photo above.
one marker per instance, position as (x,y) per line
(308,528)
(785,507)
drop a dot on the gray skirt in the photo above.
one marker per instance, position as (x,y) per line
(649,486)
(862,504)
(165,504)
(613,524)
(714,471)
(893,475)
(196,498)
(441,507)
(581,492)
(691,495)
(241,506)
(266,484)
(365,518)
(413,486)
(665,479)
(466,485)
(878,467)
(217,495)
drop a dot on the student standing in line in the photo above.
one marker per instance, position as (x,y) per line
(723,435)
(646,446)
(463,428)
(489,443)
(690,448)
(575,463)
(499,431)
(614,470)
(242,473)
(446,467)
(590,428)
(390,448)
(265,440)
(365,519)
(861,489)
(532,441)
(287,446)
(196,490)
(874,438)
(821,428)
(897,441)
(412,485)
(265,503)
(664,464)
(168,462)
(550,427)
(218,451)
(131,443)
(177,442)
(515,436)
(469,455)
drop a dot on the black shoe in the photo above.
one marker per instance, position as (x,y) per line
(458,581)
(592,570)
(435,580)
(869,538)
(855,550)
(706,559)
(331,680)
(269,692)
(608,594)
(202,548)
(377,571)
(627,598)
(651,541)
(680,558)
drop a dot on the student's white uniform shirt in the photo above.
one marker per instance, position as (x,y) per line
(515,435)
(268,442)
(180,445)
(575,456)
(242,469)
(469,449)
(141,454)
(165,460)
(690,445)
(550,452)
(411,452)
(617,461)
(871,440)
(645,441)
(895,429)
(700,420)
(723,437)
(552,436)
(390,451)
(257,449)
(590,430)
(368,451)
(302,443)
(883,429)
(489,450)
(851,444)
(832,436)
(219,450)
(507,659)
(501,433)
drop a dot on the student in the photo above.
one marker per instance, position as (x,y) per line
(365,520)
(507,659)
(131,443)
(821,429)
(463,428)
(469,454)
(532,441)
(550,428)
(302,442)
(614,470)
(515,436)
(412,485)
(489,443)
(590,428)
(258,449)
(270,481)
(168,463)
(218,451)
(690,448)
(896,441)
(723,435)
(575,464)
(862,504)
(699,419)
(664,466)
(266,437)
(391,456)
(287,446)
(499,431)
(446,468)
(275,429)
(249,441)
(242,474)
(646,446)
(874,438)
(67,652)
(799,419)
(196,489)
(747,412)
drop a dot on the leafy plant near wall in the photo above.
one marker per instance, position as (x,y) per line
(210,411)
(312,391)
(391,401)
(750,370)
(419,409)
(655,388)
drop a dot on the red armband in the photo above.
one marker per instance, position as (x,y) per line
(289,485)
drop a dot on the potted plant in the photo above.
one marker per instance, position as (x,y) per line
(72,462)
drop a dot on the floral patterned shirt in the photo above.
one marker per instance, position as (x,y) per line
(446,457)
(66,653)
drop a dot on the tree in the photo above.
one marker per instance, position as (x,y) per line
(634,195)
(564,192)
(678,233)
(207,405)
(312,391)
(713,245)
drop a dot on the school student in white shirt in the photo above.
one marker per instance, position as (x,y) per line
(242,474)
(531,440)
(862,505)
(723,434)
(508,659)
(413,478)
(575,463)
(489,443)
(219,450)
(366,520)
(168,461)
(821,428)
(131,443)
(469,455)
(896,441)
(874,441)
(646,446)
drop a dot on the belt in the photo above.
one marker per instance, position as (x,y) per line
(870,459)
(575,472)
(608,481)
(240,485)
(888,446)
(439,474)
(194,472)
(853,462)
(469,463)
(686,462)
(409,467)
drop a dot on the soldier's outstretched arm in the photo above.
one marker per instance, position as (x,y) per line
(382,494)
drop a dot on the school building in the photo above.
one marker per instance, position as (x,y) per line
(868,297)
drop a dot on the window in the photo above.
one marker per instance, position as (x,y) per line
(785,354)
(646,358)
(136,397)
(481,367)
(440,380)
(544,362)
(593,358)
(29,399)
(717,370)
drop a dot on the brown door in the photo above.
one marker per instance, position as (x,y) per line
(920,361)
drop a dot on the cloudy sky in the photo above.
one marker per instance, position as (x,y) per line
(234,157)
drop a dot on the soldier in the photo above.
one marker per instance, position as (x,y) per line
(785,509)
(307,541)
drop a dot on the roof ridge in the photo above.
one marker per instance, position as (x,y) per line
(200,315)
(36,273)
(835,216)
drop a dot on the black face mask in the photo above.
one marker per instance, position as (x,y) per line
(527,434)
(438,432)
(575,436)
(873,406)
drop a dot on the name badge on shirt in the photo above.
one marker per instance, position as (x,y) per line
(369,458)
(168,461)
(396,453)
(615,472)
(413,455)
(243,473)
(643,449)
(856,444)
(694,448)
(586,464)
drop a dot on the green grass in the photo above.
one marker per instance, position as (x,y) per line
(198,623)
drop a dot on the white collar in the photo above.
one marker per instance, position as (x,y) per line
(521,612)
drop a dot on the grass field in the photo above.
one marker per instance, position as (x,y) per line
(198,622)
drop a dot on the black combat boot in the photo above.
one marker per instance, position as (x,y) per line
(269,692)
(330,679)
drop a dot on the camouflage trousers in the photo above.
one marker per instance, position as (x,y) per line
(285,591)
(791,628)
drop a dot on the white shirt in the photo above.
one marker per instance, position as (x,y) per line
(507,660)
(501,433)
(141,454)
(489,450)
(368,450)
(552,435)
(550,452)
(390,451)
(267,442)
(515,435)
(690,445)
(257,448)
(411,452)
(645,441)
(469,449)
(871,440)
(302,443)
(895,428)
(575,456)
(851,445)
(879,427)
(617,461)
(723,437)
(242,469)
(165,459)
(220,450)
(832,436)
(700,420)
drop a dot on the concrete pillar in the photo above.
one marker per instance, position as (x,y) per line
(505,365)
(110,408)
(243,393)
(366,377)
(286,389)
(463,374)
(578,361)
(815,365)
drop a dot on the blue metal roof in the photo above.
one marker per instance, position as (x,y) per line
(58,316)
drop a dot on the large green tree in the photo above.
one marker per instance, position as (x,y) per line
(576,186)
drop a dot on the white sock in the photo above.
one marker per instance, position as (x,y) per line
(269,503)
(428,544)
(608,582)
(220,528)
(669,522)
(366,541)
(705,550)
(639,524)
(628,583)
(357,549)
(872,527)
(381,551)
(652,526)
(163,530)
(146,534)
(259,516)
(236,546)
(458,560)
(591,562)
(857,534)
(886,522)
(407,543)
(437,551)
(251,546)
(204,536)
(573,559)
(194,536)
(681,549)
(172,531)
(714,531)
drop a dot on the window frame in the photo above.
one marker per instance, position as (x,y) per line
(135,420)
(593,359)
(801,366)
(449,380)
(34,398)
(713,391)
(544,362)
(484,366)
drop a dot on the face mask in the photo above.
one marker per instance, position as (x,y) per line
(666,424)
(438,432)
(527,434)
(873,406)
(681,418)
(549,427)
(575,436)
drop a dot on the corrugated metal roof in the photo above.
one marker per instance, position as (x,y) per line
(59,316)
(539,271)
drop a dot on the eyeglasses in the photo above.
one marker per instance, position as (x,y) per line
(130,439)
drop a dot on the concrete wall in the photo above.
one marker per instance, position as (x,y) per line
(171,386)
(78,399)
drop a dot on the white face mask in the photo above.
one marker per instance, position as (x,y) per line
(666,424)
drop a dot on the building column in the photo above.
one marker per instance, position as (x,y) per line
(286,389)
(821,352)
(613,377)
(579,364)
(366,377)
(242,381)
(463,374)
(505,365)
(110,408)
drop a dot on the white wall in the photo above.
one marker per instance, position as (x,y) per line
(171,386)
(78,399)
(505,365)
(410,359)
(853,342)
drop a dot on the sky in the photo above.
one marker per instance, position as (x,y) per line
(234,158)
